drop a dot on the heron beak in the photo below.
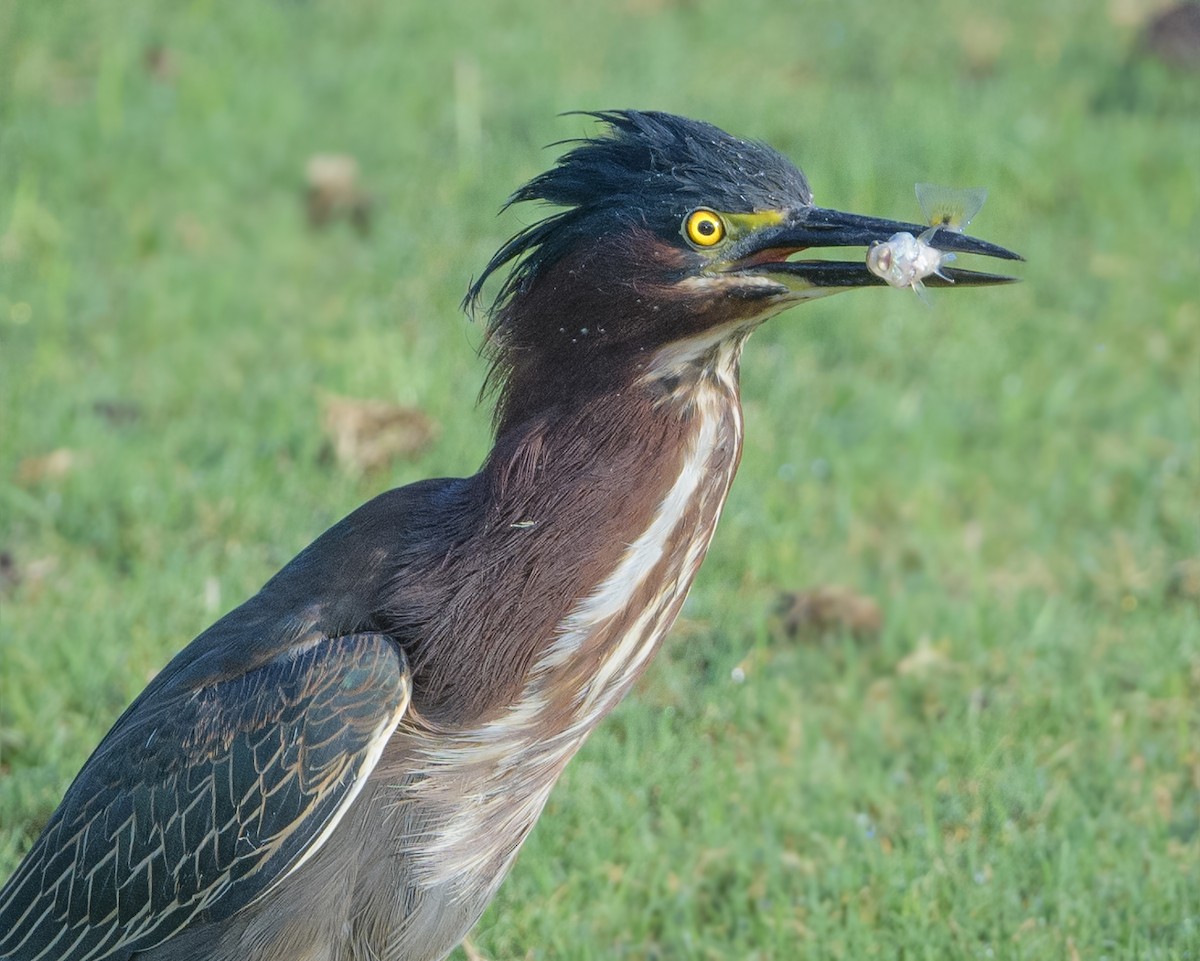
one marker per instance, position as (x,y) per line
(766,252)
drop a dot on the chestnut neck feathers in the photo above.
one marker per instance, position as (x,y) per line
(560,498)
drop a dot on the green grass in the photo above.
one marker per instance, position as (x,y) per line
(1014,475)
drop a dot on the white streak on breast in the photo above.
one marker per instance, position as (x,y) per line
(616,591)
(488,812)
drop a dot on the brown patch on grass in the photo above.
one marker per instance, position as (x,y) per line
(334,191)
(829,608)
(370,434)
(47,467)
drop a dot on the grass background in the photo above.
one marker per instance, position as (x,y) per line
(1010,768)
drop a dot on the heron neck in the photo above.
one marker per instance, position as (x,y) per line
(581,516)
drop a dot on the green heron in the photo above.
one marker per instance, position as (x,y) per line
(346,766)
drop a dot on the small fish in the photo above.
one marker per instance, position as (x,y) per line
(904,260)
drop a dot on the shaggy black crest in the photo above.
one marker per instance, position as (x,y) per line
(649,170)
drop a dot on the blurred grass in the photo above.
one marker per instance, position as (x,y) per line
(1011,769)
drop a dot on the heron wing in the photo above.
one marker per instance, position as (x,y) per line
(204,797)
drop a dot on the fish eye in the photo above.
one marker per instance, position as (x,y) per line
(704,228)
(879,257)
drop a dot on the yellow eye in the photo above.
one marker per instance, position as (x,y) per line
(704,228)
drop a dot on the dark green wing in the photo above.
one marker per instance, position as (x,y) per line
(203,797)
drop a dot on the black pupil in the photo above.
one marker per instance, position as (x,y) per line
(706,227)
